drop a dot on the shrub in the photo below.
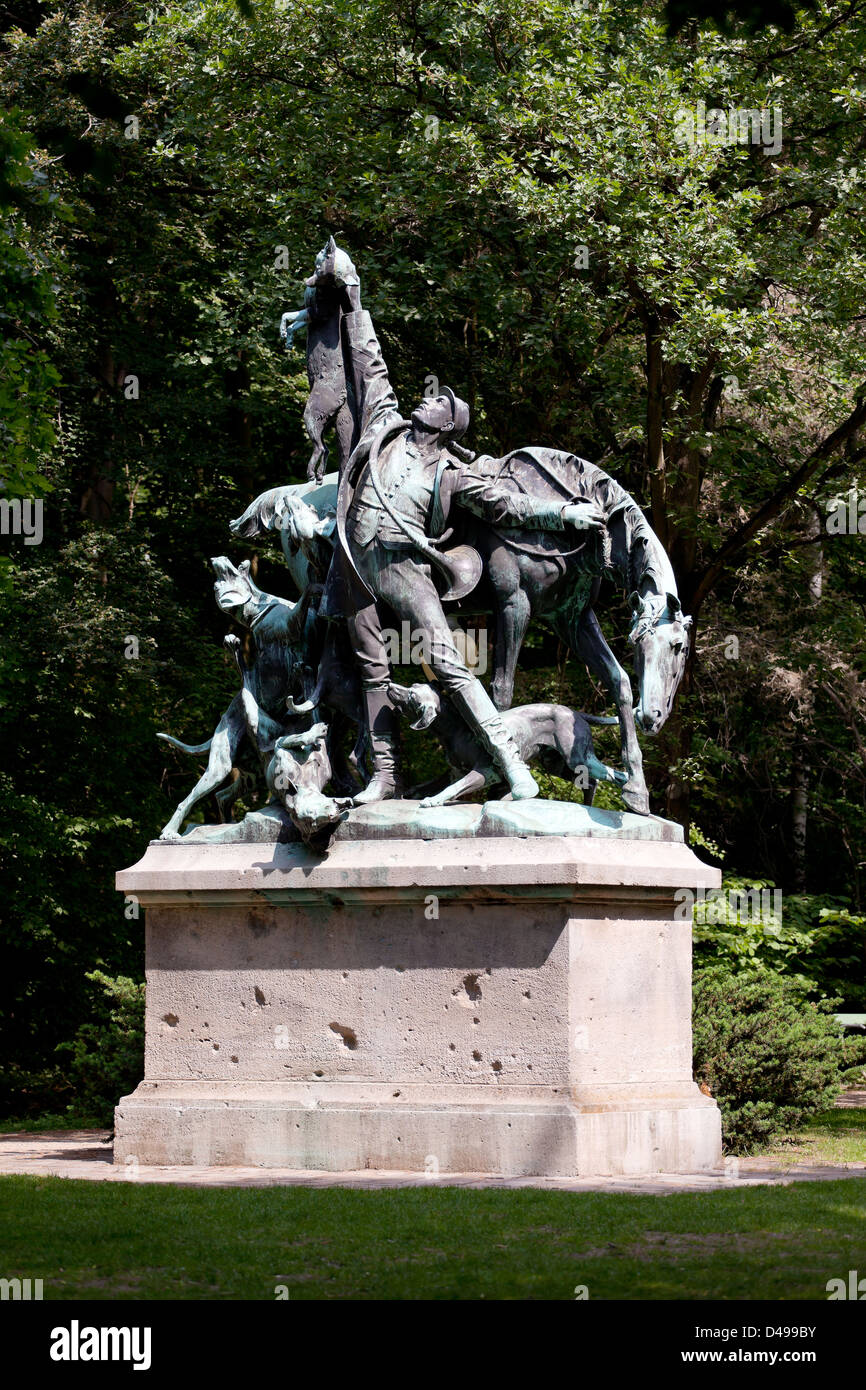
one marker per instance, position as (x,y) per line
(814,940)
(107,1053)
(769,1057)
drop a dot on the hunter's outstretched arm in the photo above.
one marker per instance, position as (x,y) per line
(377,403)
(501,507)
(365,366)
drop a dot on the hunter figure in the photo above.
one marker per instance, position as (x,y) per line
(396,493)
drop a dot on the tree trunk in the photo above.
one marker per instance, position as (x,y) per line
(799,816)
(655,428)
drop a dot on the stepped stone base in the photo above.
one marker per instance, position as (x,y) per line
(490,1005)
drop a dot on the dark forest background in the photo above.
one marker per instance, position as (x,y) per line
(529,229)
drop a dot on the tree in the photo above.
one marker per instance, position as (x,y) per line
(545,217)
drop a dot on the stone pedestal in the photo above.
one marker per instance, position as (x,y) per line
(491,1005)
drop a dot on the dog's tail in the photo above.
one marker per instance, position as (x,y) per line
(187,747)
(307,706)
(600,718)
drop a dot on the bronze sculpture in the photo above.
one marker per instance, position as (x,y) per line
(527,534)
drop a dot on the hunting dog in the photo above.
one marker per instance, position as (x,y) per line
(279,630)
(328,399)
(297,774)
(557,738)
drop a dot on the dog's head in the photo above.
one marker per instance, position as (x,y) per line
(298,771)
(300,760)
(419,703)
(299,521)
(333,267)
(233,588)
(313,814)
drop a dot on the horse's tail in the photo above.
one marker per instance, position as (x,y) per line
(187,747)
(600,718)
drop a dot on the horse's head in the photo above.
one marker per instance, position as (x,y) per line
(660,637)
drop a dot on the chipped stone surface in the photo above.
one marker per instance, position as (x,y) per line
(551,866)
(409,820)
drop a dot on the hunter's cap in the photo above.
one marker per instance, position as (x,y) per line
(459,413)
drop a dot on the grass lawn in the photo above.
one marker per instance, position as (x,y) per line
(41,1124)
(137,1240)
(835,1136)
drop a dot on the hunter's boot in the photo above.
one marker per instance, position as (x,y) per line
(383,729)
(481,714)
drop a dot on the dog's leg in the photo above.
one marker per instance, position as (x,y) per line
(225,743)
(262,730)
(602,772)
(318,463)
(590,771)
(227,796)
(316,421)
(472,782)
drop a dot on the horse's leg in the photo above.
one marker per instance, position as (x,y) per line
(601,661)
(512,620)
(511,624)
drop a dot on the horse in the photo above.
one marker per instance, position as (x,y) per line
(556,578)
(534,575)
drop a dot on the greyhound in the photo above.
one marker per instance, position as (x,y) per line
(556,737)
(297,766)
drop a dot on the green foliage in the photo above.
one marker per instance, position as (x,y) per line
(770,1058)
(836,958)
(82,768)
(699,840)
(105,1059)
(28,378)
(750,926)
(464,154)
